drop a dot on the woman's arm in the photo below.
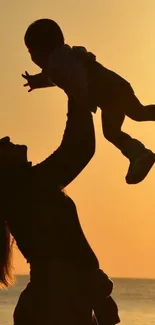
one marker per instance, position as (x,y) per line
(76,149)
(78,144)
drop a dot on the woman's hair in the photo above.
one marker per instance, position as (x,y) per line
(6,246)
(7,188)
(44,35)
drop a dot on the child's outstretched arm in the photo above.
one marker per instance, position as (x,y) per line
(36,81)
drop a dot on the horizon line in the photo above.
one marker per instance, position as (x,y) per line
(112,277)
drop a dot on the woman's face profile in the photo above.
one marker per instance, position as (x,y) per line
(11,153)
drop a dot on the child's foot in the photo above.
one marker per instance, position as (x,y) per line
(140,167)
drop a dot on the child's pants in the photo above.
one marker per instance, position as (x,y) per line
(113,115)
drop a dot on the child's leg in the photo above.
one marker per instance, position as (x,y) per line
(112,121)
(135,110)
(141,159)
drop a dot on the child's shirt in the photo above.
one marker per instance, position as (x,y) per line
(89,85)
(67,72)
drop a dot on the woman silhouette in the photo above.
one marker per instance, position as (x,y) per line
(44,223)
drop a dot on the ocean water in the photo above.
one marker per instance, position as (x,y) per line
(135,299)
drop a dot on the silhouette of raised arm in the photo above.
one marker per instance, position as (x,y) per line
(75,151)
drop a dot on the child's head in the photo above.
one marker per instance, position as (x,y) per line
(41,38)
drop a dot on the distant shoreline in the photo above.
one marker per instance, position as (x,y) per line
(113,278)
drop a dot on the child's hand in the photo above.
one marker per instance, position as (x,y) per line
(36,81)
(32,81)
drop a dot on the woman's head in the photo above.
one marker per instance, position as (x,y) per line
(12,154)
(41,38)
(12,157)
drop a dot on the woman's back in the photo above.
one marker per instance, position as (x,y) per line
(44,222)
(45,225)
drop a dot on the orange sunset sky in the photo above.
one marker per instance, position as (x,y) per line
(118,219)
